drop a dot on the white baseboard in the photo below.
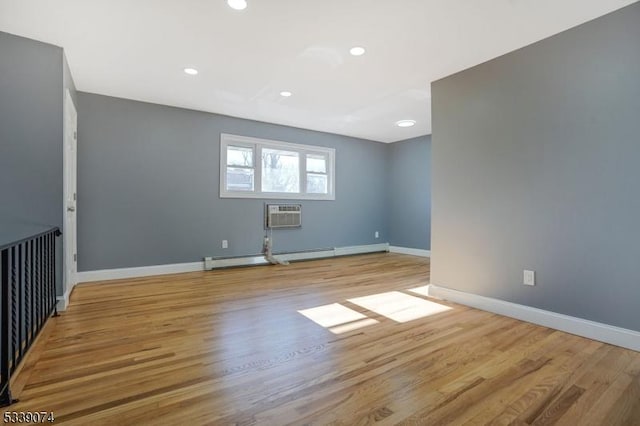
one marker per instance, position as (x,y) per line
(618,336)
(306,255)
(411,251)
(143,271)
(63,301)
(211,263)
(370,248)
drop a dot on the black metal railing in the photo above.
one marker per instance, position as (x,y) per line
(27,299)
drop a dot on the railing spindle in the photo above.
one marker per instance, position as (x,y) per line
(15,265)
(5,392)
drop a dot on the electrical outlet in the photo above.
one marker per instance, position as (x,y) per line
(377,234)
(529,277)
(225,244)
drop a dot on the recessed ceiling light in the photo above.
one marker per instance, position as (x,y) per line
(191,71)
(286,93)
(357,51)
(405,123)
(237,4)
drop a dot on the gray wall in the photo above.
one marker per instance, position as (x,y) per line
(148,188)
(33,78)
(535,166)
(409,198)
(31,110)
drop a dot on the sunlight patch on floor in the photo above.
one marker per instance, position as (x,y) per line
(398,306)
(422,291)
(337,318)
(350,326)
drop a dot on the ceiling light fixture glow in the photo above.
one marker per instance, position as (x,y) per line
(285,93)
(237,4)
(191,71)
(357,51)
(405,123)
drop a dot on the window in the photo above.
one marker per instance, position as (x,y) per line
(260,168)
(239,168)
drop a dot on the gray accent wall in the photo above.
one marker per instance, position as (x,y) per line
(535,166)
(30,136)
(33,78)
(148,188)
(410,193)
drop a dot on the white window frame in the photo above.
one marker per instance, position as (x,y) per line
(257,144)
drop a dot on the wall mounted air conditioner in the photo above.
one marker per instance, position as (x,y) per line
(283,216)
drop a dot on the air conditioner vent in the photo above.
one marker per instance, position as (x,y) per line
(283,216)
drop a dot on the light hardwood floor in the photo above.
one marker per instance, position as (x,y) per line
(230,347)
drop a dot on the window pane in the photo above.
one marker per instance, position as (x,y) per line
(316,163)
(239,179)
(280,171)
(239,156)
(317,184)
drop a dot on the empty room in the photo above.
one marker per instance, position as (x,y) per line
(238,212)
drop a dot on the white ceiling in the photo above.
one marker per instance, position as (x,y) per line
(137,49)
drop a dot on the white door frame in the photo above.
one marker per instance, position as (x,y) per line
(69,204)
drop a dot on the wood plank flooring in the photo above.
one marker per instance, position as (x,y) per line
(231,347)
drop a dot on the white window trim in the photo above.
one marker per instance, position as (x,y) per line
(257,144)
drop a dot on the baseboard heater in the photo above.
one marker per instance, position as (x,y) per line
(228,262)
